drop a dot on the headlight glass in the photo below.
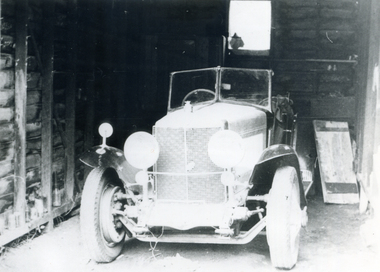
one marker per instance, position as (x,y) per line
(227,178)
(105,130)
(141,150)
(142,177)
(225,148)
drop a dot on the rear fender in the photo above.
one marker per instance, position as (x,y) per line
(110,157)
(271,159)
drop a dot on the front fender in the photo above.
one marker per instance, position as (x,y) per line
(271,159)
(110,157)
(277,151)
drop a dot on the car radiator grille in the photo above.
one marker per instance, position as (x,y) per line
(179,149)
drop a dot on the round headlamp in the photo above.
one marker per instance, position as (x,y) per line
(141,150)
(227,178)
(105,130)
(142,177)
(225,148)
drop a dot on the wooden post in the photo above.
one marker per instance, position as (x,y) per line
(364,85)
(368,75)
(20,108)
(0,24)
(47,105)
(90,105)
(70,100)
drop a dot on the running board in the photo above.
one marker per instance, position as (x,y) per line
(243,238)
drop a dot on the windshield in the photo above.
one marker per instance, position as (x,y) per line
(243,84)
(195,86)
(226,84)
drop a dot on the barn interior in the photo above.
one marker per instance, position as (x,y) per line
(67,66)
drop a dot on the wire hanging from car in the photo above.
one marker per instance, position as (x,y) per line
(153,247)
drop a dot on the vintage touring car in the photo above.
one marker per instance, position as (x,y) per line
(218,168)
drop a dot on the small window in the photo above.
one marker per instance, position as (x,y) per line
(250,27)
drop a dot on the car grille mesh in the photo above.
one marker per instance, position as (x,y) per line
(180,184)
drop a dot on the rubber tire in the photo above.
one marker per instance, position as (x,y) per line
(284,218)
(98,249)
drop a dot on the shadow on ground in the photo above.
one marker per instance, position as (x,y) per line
(330,242)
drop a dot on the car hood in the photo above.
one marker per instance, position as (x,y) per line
(239,118)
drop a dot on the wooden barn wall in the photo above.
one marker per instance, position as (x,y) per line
(368,103)
(314,51)
(320,38)
(109,47)
(177,35)
(21,141)
(313,55)
(7,107)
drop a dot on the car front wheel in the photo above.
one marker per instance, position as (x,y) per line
(102,234)
(284,218)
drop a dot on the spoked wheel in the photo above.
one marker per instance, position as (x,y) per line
(112,233)
(103,235)
(284,218)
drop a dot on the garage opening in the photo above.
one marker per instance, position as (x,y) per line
(250,27)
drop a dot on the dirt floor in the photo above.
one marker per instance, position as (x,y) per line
(330,242)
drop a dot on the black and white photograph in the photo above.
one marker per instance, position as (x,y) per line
(189,135)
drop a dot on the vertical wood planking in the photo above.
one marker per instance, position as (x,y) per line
(376,79)
(70,100)
(90,60)
(367,45)
(20,108)
(368,84)
(109,39)
(47,104)
(90,82)
(0,23)
(372,89)
(364,23)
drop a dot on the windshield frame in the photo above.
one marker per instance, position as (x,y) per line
(218,84)
(215,89)
(264,72)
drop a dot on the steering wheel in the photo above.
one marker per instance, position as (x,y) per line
(195,91)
